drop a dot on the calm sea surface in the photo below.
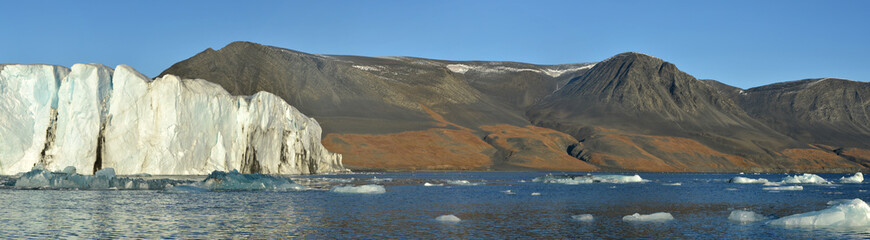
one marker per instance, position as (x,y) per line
(700,205)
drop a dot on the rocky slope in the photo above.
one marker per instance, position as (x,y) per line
(630,112)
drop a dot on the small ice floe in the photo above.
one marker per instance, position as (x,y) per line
(673,184)
(376,179)
(786,188)
(741,173)
(743,217)
(581,179)
(805,178)
(235,181)
(448,219)
(843,213)
(655,217)
(363,189)
(583,217)
(747,180)
(536,194)
(731,189)
(508,192)
(857,178)
(433,184)
(462,183)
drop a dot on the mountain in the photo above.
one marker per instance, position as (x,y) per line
(403,112)
(632,112)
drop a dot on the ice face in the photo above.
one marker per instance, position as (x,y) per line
(857,178)
(805,178)
(743,217)
(364,189)
(28,97)
(849,213)
(93,117)
(655,217)
(81,110)
(583,217)
(747,180)
(580,179)
(448,219)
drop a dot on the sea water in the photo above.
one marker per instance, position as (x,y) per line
(451,206)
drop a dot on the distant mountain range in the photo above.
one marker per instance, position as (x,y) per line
(631,112)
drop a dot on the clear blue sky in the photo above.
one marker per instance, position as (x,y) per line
(742,43)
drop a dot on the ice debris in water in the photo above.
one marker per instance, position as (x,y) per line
(234,181)
(536,194)
(433,184)
(805,178)
(462,182)
(655,217)
(508,192)
(579,179)
(448,219)
(583,217)
(743,217)
(844,213)
(786,188)
(747,180)
(857,178)
(104,179)
(366,189)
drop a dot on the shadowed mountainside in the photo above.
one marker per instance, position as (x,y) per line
(630,112)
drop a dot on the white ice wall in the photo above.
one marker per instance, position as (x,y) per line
(166,126)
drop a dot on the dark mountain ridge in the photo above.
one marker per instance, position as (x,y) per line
(630,112)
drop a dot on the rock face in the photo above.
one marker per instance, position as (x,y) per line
(393,112)
(630,112)
(92,117)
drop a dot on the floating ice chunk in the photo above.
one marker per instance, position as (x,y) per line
(805,178)
(366,189)
(508,192)
(583,217)
(581,179)
(743,217)
(376,179)
(462,182)
(655,217)
(234,181)
(105,179)
(673,184)
(731,189)
(786,188)
(433,184)
(857,178)
(448,219)
(536,194)
(851,213)
(747,180)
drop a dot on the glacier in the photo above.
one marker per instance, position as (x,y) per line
(92,117)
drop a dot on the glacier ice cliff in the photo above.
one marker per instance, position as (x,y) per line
(92,117)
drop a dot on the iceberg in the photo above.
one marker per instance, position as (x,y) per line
(655,217)
(848,213)
(234,181)
(857,178)
(805,178)
(364,189)
(583,217)
(93,117)
(582,179)
(747,180)
(448,219)
(743,217)
(104,179)
(786,188)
